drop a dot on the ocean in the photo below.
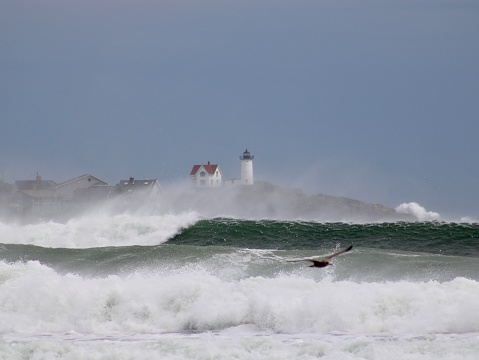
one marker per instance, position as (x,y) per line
(184,286)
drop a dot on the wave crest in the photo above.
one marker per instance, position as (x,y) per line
(418,211)
(100,230)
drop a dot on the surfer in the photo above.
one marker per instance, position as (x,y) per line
(324,261)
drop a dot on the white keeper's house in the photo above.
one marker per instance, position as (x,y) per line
(208,175)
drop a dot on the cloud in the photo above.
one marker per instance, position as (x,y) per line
(418,211)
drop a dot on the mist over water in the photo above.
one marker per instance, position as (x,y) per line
(268,201)
(261,201)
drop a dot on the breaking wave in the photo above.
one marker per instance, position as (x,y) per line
(417,211)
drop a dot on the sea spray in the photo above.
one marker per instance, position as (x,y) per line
(418,211)
(100,229)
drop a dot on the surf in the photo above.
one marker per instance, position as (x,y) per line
(36,299)
(100,229)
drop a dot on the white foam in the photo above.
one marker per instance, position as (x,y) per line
(100,229)
(243,346)
(35,299)
(418,211)
(190,313)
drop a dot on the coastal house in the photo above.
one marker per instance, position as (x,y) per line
(66,190)
(35,197)
(46,199)
(138,187)
(208,175)
(40,199)
(37,184)
(37,202)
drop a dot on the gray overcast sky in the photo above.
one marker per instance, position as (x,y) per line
(374,100)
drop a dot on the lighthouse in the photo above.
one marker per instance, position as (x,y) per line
(247,168)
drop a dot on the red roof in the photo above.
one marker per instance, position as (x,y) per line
(210,169)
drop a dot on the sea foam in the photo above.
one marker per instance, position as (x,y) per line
(36,299)
(100,229)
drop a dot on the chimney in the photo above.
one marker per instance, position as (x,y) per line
(132,180)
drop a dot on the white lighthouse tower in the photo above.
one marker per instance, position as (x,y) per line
(247,168)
